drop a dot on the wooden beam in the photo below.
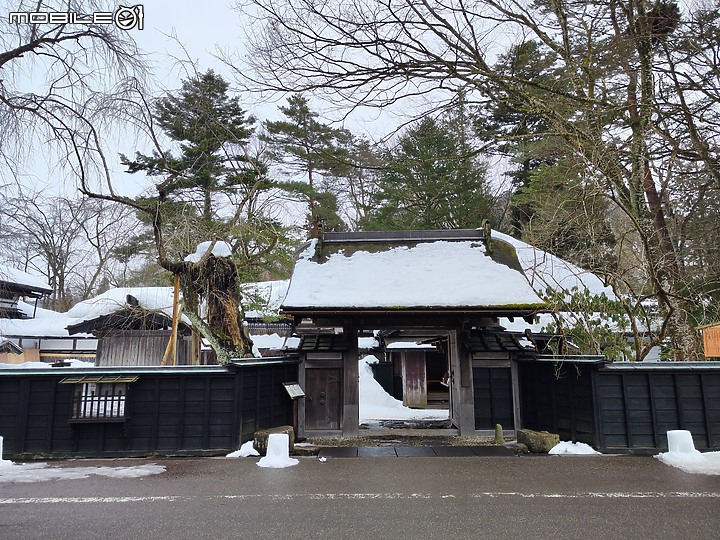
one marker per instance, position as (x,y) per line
(351,385)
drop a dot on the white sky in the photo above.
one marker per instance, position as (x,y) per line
(204,32)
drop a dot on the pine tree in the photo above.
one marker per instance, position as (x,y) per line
(431,180)
(309,147)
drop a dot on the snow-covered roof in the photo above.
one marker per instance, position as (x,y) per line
(13,276)
(45,323)
(544,270)
(264,297)
(151,299)
(405,276)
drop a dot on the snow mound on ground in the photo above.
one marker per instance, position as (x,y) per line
(278,452)
(693,462)
(376,404)
(40,472)
(571,448)
(246,450)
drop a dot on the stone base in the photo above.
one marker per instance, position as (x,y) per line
(261,438)
(537,442)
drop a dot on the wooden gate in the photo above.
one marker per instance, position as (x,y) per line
(323,401)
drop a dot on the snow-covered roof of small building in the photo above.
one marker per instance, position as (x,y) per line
(150,298)
(406,271)
(22,282)
(44,323)
(92,312)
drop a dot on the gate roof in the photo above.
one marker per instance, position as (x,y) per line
(402,272)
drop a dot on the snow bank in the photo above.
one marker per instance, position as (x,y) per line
(683,455)
(246,450)
(376,404)
(571,448)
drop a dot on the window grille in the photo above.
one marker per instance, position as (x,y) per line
(99,399)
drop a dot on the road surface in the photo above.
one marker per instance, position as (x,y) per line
(575,497)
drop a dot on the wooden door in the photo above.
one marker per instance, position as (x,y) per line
(414,379)
(323,401)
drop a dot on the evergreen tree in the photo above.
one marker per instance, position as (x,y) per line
(309,147)
(432,180)
(209,188)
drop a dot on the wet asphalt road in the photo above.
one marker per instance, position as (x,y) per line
(575,497)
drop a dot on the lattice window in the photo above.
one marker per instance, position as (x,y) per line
(99,399)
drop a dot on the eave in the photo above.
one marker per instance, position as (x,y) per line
(382,317)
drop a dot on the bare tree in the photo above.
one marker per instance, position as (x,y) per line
(61,85)
(602,98)
(70,242)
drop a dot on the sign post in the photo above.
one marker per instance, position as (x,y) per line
(295,392)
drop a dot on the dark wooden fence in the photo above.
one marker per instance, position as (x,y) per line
(203,410)
(493,398)
(624,407)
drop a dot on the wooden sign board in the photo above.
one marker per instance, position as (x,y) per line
(711,340)
(294,390)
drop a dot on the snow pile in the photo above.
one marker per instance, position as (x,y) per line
(246,450)
(683,455)
(376,404)
(40,472)
(220,249)
(278,452)
(432,274)
(571,448)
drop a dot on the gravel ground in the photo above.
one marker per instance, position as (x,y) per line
(391,440)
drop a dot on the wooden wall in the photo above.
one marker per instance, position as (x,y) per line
(621,408)
(636,408)
(176,411)
(711,341)
(140,348)
(493,396)
(558,397)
